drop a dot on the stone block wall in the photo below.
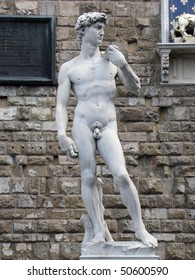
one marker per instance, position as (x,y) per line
(40,201)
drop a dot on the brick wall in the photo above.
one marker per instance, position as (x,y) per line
(40,202)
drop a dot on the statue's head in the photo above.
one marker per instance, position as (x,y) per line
(86,20)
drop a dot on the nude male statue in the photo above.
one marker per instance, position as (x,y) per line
(91,77)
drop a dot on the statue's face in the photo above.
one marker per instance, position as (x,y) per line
(94,34)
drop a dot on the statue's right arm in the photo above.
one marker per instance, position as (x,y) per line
(63,95)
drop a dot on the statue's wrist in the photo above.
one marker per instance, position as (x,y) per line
(124,65)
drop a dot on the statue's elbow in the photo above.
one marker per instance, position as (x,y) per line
(136,88)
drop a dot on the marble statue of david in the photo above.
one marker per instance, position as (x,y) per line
(91,77)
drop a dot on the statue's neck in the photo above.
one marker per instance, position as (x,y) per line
(89,51)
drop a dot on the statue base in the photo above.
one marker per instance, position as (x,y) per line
(121,250)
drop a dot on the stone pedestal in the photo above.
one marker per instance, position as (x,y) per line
(134,250)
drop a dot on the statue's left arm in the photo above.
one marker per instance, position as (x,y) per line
(125,72)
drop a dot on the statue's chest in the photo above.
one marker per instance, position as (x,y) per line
(88,72)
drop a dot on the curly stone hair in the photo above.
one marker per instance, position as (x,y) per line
(87,19)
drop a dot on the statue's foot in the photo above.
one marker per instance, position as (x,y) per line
(146,238)
(98,238)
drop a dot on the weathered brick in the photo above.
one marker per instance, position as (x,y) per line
(179,201)
(55,170)
(131,147)
(35,214)
(181,113)
(150,148)
(11,214)
(54,251)
(132,114)
(74,226)
(13,148)
(147,127)
(66,160)
(133,136)
(19,185)
(185,238)
(176,214)
(69,185)
(49,8)
(151,214)
(190,203)
(171,226)
(153,225)
(22,136)
(23,251)
(5,226)
(7,114)
(40,251)
(9,237)
(7,251)
(165,201)
(7,201)
(4,185)
(165,237)
(33,148)
(175,251)
(42,114)
(70,251)
(190,251)
(5,6)
(26,201)
(35,171)
(150,186)
(5,136)
(23,226)
(190,188)
(26,7)
(179,137)
(59,213)
(49,226)
(172,148)
(186,171)
(69,8)
(189,148)
(148,201)
(179,160)
(16,100)
(73,201)
(24,113)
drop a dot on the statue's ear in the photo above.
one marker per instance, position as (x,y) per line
(84,30)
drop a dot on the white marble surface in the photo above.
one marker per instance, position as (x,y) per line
(117,250)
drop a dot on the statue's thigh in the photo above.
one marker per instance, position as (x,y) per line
(83,137)
(110,150)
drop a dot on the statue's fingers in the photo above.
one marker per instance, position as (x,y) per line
(113,47)
(75,147)
(72,152)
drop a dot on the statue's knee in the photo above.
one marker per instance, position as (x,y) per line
(122,179)
(88,178)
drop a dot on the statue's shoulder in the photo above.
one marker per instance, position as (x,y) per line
(66,65)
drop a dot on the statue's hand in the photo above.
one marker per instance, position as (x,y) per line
(68,145)
(115,56)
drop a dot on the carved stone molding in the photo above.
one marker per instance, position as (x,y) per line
(165,65)
(177,59)
(177,63)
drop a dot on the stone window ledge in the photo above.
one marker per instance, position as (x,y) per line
(177,63)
